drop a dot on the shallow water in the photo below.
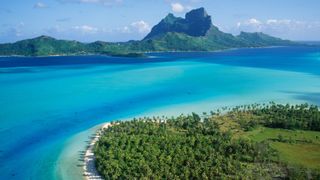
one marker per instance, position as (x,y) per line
(48,104)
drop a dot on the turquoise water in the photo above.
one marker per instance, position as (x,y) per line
(48,104)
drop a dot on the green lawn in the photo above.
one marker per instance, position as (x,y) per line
(307,155)
(305,151)
(262,133)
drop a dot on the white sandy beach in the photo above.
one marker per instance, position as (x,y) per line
(90,172)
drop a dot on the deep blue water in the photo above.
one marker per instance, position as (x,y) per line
(45,101)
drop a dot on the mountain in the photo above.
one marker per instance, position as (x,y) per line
(46,46)
(196,23)
(261,39)
(195,32)
(41,46)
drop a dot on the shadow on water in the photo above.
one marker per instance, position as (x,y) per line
(103,70)
(7,62)
(294,59)
(15,70)
(313,97)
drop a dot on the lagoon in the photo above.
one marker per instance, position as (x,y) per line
(50,105)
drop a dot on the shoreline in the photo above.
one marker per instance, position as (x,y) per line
(89,169)
(146,52)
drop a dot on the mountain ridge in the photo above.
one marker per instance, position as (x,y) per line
(196,23)
(195,32)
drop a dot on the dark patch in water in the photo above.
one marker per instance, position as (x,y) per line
(15,70)
(6,62)
(313,97)
(279,58)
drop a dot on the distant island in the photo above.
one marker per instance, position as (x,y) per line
(195,32)
(269,141)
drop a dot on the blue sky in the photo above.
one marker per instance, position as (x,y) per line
(122,20)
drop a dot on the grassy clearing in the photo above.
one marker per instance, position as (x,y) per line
(306,155)
(262,133)
(302,147)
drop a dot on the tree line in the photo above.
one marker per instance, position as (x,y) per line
(194,146)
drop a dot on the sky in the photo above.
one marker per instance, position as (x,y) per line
(123,20)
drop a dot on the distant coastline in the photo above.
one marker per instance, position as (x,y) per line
(129,55)
(146,54)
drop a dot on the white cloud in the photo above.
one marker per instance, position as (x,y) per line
(137,28)
(272,21)
(85,29)
(101,2)
(177,7)
(275,25)
(279,22)
(40,5)
(125,29)
(252,23)
(141,26)
(285,28)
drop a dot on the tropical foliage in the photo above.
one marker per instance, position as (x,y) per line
(210,146)
(304,116)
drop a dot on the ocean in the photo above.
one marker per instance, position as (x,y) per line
(51,105)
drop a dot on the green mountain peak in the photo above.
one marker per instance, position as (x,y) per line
(196,23)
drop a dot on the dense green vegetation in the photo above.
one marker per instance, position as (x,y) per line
(304,116)
(193,33)
(245,142)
